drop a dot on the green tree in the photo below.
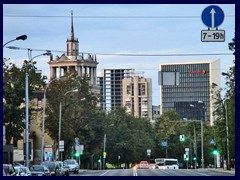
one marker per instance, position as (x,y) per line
(80,116)
(220,111)
(14,97)
(168,128)
(129,137)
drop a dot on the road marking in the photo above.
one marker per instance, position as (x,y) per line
(167,172)
(104,173)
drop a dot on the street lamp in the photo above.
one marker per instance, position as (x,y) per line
(201,131)
(104,146)
(60,119)
(26,106)
(22,37)
(43,116)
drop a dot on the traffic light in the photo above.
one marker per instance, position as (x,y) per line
(76,154)
(194,157)
(215,151)
(99,160)
(182,138)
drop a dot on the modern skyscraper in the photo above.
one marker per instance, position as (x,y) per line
(110,84)
(187,88)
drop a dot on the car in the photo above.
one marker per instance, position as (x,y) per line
(39,170)
(26,171)
(143,165)
(73,165)
(153,166)
(9,170)
(4,174)
(53,167)
(64,169)
(19,171)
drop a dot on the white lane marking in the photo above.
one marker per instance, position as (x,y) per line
(167,172)
(104,173)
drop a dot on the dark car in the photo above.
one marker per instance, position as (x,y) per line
(39,170)
(72,164)
(53,167)
(9,169)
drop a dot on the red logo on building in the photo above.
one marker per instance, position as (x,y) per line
(198,72)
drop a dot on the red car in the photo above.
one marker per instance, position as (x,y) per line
(143,165)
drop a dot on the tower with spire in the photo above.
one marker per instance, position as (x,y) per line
(72,43)
(84,64)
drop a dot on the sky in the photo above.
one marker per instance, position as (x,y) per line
(152,29)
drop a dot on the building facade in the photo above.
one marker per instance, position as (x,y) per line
(155,112)
(190,95)
(110,84)
(137,96)
(84,64)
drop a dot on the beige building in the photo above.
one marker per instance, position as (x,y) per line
(85,64)
(137,96)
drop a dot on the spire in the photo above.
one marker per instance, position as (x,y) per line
(72,31)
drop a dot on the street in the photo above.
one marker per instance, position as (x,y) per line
(156,172)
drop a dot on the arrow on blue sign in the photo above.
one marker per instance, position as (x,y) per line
(164,143)
(212,16)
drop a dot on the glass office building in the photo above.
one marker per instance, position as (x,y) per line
(187,89)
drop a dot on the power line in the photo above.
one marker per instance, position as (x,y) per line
(108,17)
(129,54)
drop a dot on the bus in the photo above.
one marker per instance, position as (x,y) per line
(167,163)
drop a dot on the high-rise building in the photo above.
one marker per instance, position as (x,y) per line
(110,84)
(187,89)
(85,64)
(137,96)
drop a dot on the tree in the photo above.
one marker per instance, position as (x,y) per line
(80,118)
(220,111)
(14,97)
(168,128)
(129,137)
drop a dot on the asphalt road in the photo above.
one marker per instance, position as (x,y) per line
(156,172)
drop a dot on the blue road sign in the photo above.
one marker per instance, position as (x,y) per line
(212,141)
(212,16)
(164,143)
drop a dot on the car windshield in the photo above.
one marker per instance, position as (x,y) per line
(37,168)
(70,161)
(50,165)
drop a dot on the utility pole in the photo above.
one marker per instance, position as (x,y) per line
(228,156)
(104,150)
(195,146)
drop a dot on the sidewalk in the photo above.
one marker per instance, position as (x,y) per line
(232,171)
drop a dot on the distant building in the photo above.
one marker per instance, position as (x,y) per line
(189,84)
(155,112)
(110,84)
(137,96)
(85,64)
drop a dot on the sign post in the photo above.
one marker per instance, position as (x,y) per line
(212,17)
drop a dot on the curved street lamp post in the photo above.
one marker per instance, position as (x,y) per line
(201,131)
(22,37)
(60,121)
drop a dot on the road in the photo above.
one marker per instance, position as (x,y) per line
(155,172)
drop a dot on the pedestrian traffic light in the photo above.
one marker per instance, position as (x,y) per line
(215,151)
(182,138)
(76,154)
